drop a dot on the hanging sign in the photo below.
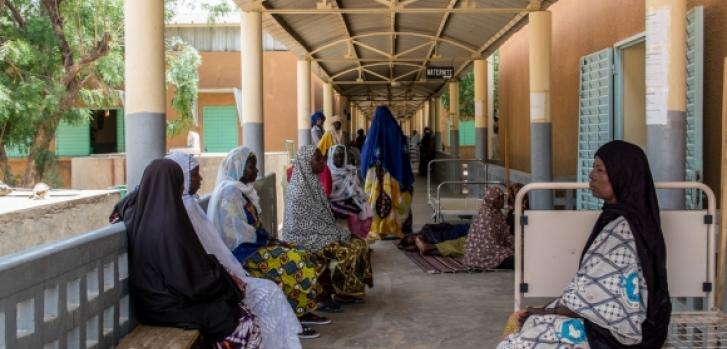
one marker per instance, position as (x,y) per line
(440,72)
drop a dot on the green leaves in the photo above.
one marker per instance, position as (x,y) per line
(182,74)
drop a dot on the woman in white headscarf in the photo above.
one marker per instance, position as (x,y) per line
(278,324)
(234,208)
(348,200)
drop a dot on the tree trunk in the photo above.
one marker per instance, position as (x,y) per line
(7,173)
(38,156)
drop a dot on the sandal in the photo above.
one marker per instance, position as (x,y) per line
(313,319)
(424,247)
(347,299)
(329,307)
(308,333)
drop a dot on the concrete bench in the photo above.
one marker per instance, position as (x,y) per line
(150,337)
(75,293)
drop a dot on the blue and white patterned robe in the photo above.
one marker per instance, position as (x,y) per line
(609,290)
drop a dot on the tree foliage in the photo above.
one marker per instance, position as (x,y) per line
(58,60)
(466,96)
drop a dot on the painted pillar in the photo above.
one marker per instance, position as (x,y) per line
(480,72)
(253,135)
(327,104)
(354,121)
(437,128)
(490,110)
(145,86)
(345,123)
(666,99)
(303,95)
(454,117)
(540,123)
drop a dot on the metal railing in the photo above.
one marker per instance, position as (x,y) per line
(432,162)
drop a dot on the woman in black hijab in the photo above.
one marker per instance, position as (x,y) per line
(619,297)
(173,280)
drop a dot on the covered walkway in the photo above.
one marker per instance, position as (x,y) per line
(410,309)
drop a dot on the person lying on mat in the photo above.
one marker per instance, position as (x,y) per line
(487,245)
(619,298)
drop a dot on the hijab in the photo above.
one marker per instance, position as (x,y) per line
(229,174)
(308,220)
(174,282)
(336,134)
(630,176)
(346,184)
(315,117)
(488,241)
(203,226)
(386,143)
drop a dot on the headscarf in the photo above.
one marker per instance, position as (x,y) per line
(264,297)
(228,182)
(630,176)
(386,143)
(337,134)
(315,117)
(488,241)
(308,220)
(203,226)
(174,282)
(187,162)
(346,184)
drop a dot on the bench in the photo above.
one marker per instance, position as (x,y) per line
(548,247)
(150,337)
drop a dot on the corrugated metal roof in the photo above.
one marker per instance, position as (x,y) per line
(376,51)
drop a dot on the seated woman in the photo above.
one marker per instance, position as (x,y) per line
(619,298)
(278,323)
(389,179)
(174,282)
(487,245)
(348,200)
(234,208)
(309,224)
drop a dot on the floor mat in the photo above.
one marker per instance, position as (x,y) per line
(436,264)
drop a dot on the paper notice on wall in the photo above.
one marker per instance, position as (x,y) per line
(657,65)
(538,107)
(480,116)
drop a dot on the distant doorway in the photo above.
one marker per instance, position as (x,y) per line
(630,90)
(104,131)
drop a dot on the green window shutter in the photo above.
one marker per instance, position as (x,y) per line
(595,116)
(73,139)
(695,81)
(120,131)
(16,152)
(467,132)
(220,128)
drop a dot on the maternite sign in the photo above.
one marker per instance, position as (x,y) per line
(440,72)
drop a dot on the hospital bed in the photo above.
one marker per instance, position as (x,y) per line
(459,205)
(548,246)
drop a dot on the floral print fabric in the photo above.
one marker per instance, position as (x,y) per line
(488,241)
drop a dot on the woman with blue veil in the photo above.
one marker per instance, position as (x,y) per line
(389,179)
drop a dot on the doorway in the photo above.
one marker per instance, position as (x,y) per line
(630,90)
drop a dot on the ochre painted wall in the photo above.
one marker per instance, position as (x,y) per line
(580,30)
(221,70)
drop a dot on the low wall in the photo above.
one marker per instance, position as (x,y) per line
(26,223)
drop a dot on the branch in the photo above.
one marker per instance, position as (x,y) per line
(54,12)
(14,11)
(98,51)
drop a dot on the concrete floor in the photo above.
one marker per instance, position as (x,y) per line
(413,310)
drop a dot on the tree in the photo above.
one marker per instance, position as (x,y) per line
(466,96)
(59,59)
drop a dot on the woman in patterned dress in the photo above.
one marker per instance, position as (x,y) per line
(619,298)
(309,224)
(348,199)
(234,208)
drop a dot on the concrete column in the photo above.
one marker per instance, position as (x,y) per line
(253,135)
(480,72)
(454,116)
(345,123)
(304,110)
(430,114)
(328,104)
(540,123)
(354,121)
(666,95)
(145,86)
(437,131)
(490,109)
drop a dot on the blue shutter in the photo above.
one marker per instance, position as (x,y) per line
(467,132)
(120,131)
(595,116)
(695,80)
(220,129)
(73,139)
